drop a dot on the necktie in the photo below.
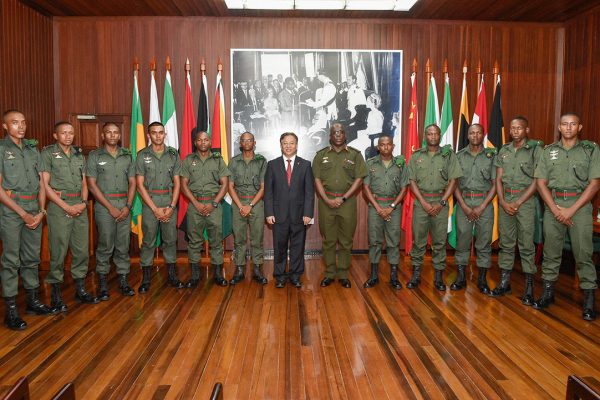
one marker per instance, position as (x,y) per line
(289,172)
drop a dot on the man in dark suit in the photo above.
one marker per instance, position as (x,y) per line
(289,205)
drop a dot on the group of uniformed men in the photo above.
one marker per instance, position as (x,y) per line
(566,174)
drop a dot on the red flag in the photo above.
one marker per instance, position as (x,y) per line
(185,145)
(412,145)
(480,114)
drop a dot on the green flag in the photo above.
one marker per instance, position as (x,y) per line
(432,109)
(137,141)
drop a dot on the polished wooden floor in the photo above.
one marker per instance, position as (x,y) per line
(313,343)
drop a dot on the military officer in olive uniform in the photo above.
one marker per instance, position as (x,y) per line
(515,187)
(385,187)
(474,194)
(63,175)
(433,171)
(111,179)
(247,188)
(568,177)
(157,181)
(205,180)
(338,171)
(22,201)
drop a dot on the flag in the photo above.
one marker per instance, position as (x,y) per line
(447,138)
(154,112)
(169,114)
(480,114)
(203,121)
(219,143)
(462,139)
(432,109)
(185,147)
(496,133)
(411,146)
(137,142)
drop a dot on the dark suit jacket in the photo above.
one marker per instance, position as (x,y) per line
(294,201)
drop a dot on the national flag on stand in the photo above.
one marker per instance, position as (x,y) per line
(219,143)
(462,139)
(411,145)
(447,138)
(203,121)
(169,113)
(185,147)
(137,142)
(495,138)
(154,111)
(432,109)
(480,114)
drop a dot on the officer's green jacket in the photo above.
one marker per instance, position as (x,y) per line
(338,170)
(158,172)
(111,173)
(204,175)
(386,182)
(518,165)
(247,176)
(569,169)
(66,172)
(19,166)
(478,170)
(432,172)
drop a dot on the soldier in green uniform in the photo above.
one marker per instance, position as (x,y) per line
(205,180)
(568,177)
(385,187)
(22,201)
(433,171)
(247,188)
(157,172)
(474,194)
(111,179)
(63,175)
(515,187)
(338,171)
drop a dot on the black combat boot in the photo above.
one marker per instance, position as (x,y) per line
(588,304)
(103,287)
(415,279)
(461,281)
(56,301)
(146,277)
(373,280)
(172,278)
(239,275)
(219,279)
(11,316)
(527,298)
(438,280)
(258,276)
(547,296)
(195,278)
(124,287)
(482,284)
(82,295)
(394,282)
(504,286)
(35,306)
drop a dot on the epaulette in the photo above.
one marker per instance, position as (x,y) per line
(191,155)
(446,150)
(532,143)
(258,157)
(372,159)
(353,149)
(588,144)
(400,160)
(324,149)
(48,146)
(125,150)
(172,150)
(490,152)
(30,142)
(76,150)
(216,154)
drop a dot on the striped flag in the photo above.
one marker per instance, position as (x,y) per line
(432,108)
(495,138)
(462,139)
(447,138)
(154,111)
(185,148)
(411,146)
(169,113)
(137,142)
(203,121)
(480,114)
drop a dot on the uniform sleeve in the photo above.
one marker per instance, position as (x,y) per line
(2,160)
(454,169)
(83,166)
(541,169)
(140,169)
(595,164)
(91,169)
(177,167)
(316,166)
(537,155)
(46,164)
(223,170)
(360,167)
(405,180)
(131,170)
(411,171)
(263,171)
(498,160)
(185,169)
(493,168)
(367,179)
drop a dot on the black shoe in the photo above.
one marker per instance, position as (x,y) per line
(482,284)
(279,283)
(258,275)
(172,278)
(238,276)
(146,277)
(373,279)
(527,298)
(103,287)
(326,282)
(547,296)
(219,279)
(296,283)
(415,279)
(394,282)
(82,295)
(461,281)
(35,306)
(56,302)
(124,287)
(12,320)
(195,278)
(504,286)
(588,304)
(345,283)
(438,280)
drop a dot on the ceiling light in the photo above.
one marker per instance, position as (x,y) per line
(404,5)
(234,3)
(320,4)
(269,4)
(370,4)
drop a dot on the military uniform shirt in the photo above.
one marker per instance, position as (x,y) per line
(569,169)
(111,173)
(66,172)
(478,170)
(247,176)
(19,167)
(204,175)
(431,173)
(158,173)
(338,170)
(386,182)
(518,165)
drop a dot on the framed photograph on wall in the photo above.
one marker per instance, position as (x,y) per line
(305,91)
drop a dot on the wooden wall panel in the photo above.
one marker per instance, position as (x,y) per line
(26,67)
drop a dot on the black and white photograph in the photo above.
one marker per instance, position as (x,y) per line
(305,91)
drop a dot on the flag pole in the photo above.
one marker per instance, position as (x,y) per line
(168,64)
(428,75)
(479,75)
(496,73)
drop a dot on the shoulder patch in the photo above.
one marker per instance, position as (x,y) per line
(216,154)
(490,152)
(259,157)
(125,150)
(30,142)
(77,150)
(352,148)
(372,159)
(588,144)
(191,155)
(446,150)
(172,150)
(400,160)
(532,143)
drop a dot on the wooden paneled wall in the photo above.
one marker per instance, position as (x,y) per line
(582,71)
(26,78)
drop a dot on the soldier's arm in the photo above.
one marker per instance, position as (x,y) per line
(99,196)
(526,195)
(371,198)
(224,181)
(449,189)
(321,192)
(10,203)
(139,179)
(401,195)
(500,186)
(353,188)
(55,198)
(234,196)
(130,191)
(489,197)
(460,200)
(542,186)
